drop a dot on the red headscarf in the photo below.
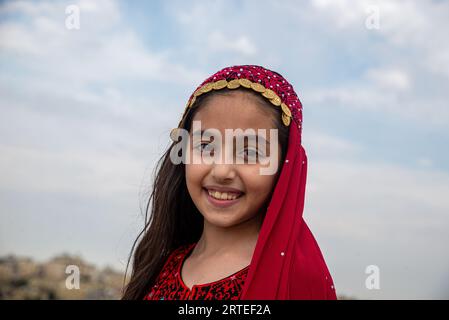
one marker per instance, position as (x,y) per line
(287,262)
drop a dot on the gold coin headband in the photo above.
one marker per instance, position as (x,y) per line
(269,84)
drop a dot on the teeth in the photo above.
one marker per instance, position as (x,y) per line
(222,195)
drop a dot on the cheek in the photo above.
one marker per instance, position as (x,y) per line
(194,176)
(258,185)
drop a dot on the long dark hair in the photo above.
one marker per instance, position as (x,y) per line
(174,219)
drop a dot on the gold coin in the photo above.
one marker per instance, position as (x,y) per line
(270,94)
(258,87)
(192,101)
(197,92)
(276,101)
(245,83)
(285,119)
(220,84)
(234,84)
(207,87)
(286,110)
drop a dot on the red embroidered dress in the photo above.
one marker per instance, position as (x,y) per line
(170,286)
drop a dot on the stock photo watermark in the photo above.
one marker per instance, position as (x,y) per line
(372,282)
(372,21)
(250,147)
(73,280)
(72,20)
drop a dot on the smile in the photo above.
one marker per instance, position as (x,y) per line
(222,195)
(222,199)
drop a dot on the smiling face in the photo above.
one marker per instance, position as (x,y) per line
(246,190)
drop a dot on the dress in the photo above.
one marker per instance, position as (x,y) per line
(170,286)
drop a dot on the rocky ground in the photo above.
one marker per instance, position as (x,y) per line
(23,278)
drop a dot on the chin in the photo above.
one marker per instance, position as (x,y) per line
(220,220)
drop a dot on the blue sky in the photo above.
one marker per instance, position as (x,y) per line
(85,114)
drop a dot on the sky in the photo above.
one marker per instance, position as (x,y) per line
(86,112)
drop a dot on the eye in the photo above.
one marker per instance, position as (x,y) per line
(250,153)
(204,146)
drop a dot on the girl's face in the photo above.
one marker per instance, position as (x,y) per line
(236,110)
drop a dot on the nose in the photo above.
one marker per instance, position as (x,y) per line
(224,168)
(223,172)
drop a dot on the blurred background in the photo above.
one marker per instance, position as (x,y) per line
(89,91)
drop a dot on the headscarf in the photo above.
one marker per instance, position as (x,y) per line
(287,263)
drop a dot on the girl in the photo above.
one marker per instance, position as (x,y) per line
(224,230)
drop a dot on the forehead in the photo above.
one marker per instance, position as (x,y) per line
(234,110)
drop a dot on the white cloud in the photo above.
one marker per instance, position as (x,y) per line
(323,146)
(92,53)
(416,26)
(390,79)
(84,172)
(243,45)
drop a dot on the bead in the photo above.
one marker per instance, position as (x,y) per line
(282,253)
(286,161)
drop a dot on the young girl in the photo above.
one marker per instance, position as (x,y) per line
(224,230)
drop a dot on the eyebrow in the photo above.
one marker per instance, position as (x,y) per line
(259,138)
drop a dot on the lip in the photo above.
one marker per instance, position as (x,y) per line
(220,203)
(224,189)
